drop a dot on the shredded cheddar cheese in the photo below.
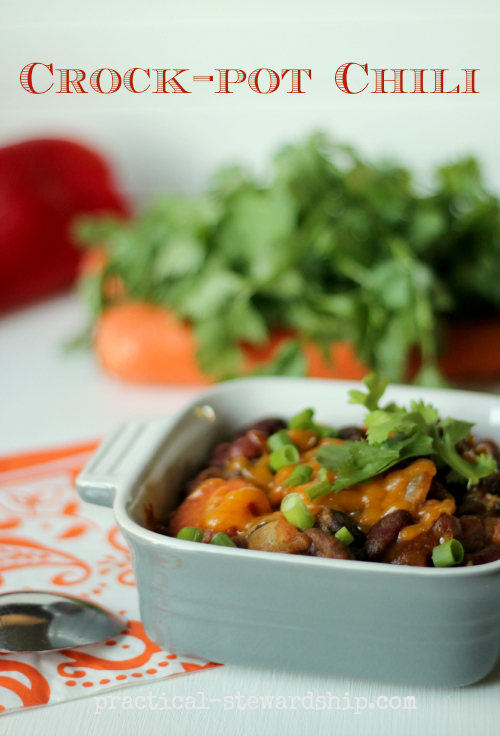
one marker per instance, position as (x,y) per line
(404,488)
(234,510)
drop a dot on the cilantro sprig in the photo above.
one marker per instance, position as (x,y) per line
(329,247)
(395,433)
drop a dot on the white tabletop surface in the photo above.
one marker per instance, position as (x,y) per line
(47,397)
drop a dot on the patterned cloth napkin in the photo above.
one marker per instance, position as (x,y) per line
(51,540)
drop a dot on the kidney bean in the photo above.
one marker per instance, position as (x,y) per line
(385,531)
(278,535)
(324,545)
(445,528)
(471,506)
(331,521)
(437,491)
(489,447)
(220,454)
(491,484)
(251,445)
(352,433)
(417,552)
(267,426)
(198,479)
(473,534)
(492,525)
(260,438)
(488,554)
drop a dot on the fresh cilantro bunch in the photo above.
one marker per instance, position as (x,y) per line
(331,247)
(395,433)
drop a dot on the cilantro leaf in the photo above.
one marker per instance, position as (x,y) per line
(417,445)
(427,411)
(381,424)
(210,293)
(328,246)
(184,256)
(332,456)
(485,465)
(452,431)
(455,429)
(217,354)
(362,463)
(357,462)
(395,434)
(376,387)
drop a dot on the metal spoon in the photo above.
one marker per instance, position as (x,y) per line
(38,621)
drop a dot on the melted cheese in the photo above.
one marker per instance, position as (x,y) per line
(236,510)
(257,473)
(405,488)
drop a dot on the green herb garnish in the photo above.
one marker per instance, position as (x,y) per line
(190,534)
(448,554)
(278,440)
(299,475)
(222,540)
(302,420)
(296,512)
(395,434)
(287,455)
(331,246)
(345,536)
(321,488)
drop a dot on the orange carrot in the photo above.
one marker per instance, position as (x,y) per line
(148,344)
(344,362)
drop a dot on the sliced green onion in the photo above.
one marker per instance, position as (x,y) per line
(222,539)
(448,554)
(300,474)
(345,536)
(278,440)
(288,455)
(190,534)
(325,431)
(302,420)
(296,512)
(322,488)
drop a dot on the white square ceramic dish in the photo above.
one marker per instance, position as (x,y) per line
(422,626)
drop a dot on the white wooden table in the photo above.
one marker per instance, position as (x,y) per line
(47,397)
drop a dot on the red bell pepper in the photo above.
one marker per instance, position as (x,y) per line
(44,185)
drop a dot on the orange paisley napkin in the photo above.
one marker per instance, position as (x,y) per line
(51,540)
